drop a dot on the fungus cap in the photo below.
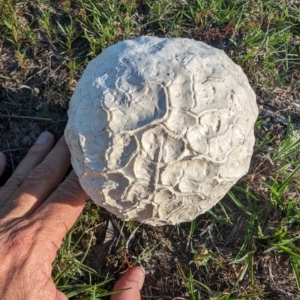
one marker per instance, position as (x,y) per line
(160,129)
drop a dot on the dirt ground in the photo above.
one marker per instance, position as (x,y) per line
(36,97)
(28,99)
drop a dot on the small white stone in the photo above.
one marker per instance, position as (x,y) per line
(160,129)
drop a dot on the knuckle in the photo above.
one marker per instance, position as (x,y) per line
(70,187)
(22,236)
(41,172)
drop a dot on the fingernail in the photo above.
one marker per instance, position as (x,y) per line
(43,138)
(142,278)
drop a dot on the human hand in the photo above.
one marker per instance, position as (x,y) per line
(37,209)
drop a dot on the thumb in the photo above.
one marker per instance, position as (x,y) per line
(60,296)
(132,280)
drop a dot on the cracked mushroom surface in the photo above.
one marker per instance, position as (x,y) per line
(160,129)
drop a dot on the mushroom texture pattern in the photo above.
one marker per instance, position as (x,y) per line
(160,129)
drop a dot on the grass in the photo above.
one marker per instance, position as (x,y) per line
(284,238)
(248,246)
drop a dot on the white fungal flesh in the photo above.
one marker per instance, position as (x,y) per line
(160,129)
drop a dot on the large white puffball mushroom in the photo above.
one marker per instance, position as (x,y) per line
(160,129)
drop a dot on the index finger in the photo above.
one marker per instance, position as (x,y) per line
(61,210)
